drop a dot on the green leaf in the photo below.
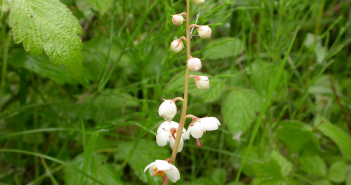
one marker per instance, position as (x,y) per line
(142,153)
(348,175)
(48,25)
(239,109)
(223,48)
(113,98)
(285,165)
(97,168)
(261,77)
(314,165)
(101,5)
(268,173)
(294,134)
(341,139)
(216,177)
(322,182)
(337,172)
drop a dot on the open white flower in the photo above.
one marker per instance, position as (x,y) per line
(162,167)
(168,109)
(199,126)
(167,133)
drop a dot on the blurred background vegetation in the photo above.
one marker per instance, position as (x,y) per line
(100,128)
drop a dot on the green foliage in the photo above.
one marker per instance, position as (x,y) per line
(240,108)
(48,25)
(297,89)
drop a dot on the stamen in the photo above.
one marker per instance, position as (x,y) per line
(198,142)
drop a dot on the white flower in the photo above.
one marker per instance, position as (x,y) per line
(177,19)
(168,109)
(167,133)
(194,64)
(200,126)
(204,32)
(201,82)
(199,2)
(177,45)
(163,167)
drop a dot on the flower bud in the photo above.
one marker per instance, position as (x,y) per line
(199,2)
(204,32)
(167,110)
(202,82)
(194,64)
(177,46)
(177,19)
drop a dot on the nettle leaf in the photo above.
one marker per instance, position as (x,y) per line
(97,168)
(337,172)
(341,139)
(239,109)
(101,5)
(48,25)
(286,166)
(314,165)
(294,134)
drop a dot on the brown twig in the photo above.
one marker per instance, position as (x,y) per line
(339,102)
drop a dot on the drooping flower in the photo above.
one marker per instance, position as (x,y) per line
(162,167)
(194,64)
(199,2)
(201,82)
(177,19)
(167,133)
(204,32)
(199,126)
(177,45)
(168,109)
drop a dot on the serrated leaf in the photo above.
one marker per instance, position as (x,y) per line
(101,5)
(294,134)
(341,139)
(314,165)
(48,25)
(285,165)
(145,152)
(223,48)
(337,172)
(268,173)
(97,168)
(239,109)
(261,76)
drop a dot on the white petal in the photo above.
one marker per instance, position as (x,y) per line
(181,144)
(173,174)
(197,131)
(162,165)
(165,126)
(186,135)
(162,137)
(150,167)
(210,123)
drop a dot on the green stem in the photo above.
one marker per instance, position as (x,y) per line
(4,60)
(186,86)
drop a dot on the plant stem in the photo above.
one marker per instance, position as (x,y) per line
(186,85)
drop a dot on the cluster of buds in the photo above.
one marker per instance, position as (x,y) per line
(169,131)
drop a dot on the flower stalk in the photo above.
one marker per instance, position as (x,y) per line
(186,86)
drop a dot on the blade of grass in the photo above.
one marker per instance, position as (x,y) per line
(54,160)
(267,102)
